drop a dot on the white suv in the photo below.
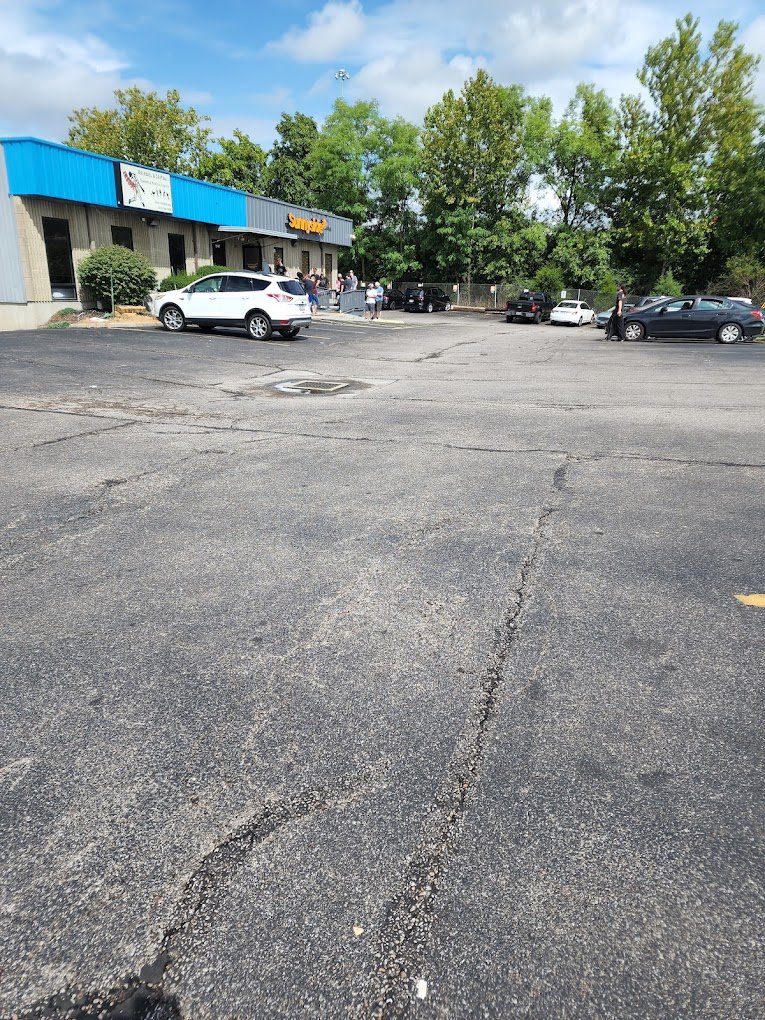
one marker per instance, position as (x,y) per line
(261,303)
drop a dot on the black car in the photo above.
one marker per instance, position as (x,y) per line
(426,299)
(703,316)
(393,299)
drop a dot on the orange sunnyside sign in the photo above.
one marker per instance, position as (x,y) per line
(308,226)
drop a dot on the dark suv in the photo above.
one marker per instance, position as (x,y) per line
(426,299)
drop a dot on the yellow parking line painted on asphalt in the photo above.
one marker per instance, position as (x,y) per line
(752,600)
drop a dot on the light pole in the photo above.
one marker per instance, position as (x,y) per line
(342,76)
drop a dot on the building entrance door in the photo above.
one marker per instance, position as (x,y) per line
(252,257)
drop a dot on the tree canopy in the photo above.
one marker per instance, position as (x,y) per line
(668,185)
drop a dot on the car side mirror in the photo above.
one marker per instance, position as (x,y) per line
(662,311)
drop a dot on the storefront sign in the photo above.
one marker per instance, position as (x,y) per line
(144,189)
(307,226)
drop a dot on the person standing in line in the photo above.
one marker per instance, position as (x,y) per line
(370,297)
(379,291)
(617,323)
(351,282)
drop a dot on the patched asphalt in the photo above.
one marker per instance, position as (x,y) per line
(430,696)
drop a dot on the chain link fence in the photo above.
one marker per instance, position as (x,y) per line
(494,296)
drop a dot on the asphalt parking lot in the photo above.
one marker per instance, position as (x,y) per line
(394,670)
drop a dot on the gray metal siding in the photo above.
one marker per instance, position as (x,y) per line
(12,287)
(268,214)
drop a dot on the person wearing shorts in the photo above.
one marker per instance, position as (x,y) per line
(379,291)
(370,299)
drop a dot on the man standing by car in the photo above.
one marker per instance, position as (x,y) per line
(616,325)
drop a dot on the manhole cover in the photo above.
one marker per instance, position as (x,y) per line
(308,387)
(320,385)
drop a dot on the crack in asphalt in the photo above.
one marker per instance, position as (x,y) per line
(439,354)
(208,427)
(77,435)
(142,996)
(405,934)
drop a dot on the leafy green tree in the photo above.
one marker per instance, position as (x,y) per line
(239,163)
(287,175)
(113,269)
(583,256)
(583,153)
(143,128)
(480,150)
(682,153)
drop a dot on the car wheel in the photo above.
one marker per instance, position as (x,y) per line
(173,319)
(292,331)
(430,306)
(730,333)
(634,331)
(258,326)
(538,318)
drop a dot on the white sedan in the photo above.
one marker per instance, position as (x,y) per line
(572,313)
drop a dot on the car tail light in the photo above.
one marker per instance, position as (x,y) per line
(279,296)
(533,307)
(756,313)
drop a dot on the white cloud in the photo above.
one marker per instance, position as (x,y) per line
(337,28)
(44,75)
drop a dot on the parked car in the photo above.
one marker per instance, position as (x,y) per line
(426,299)
(261,303)
(393,299)
(530,306)
(572,313)
(702,316)
(601,319)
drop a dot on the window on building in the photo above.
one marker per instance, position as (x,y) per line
(177,247)
(58,249)
(219,253)
(123,236)
(305,263)
(278,257)
(328,268)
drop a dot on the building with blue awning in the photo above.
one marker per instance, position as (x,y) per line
(58,203)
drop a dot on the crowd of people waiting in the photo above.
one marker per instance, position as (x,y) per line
(316,280)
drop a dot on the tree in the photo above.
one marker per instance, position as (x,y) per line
(366,167)
(680,156)
(480,150)
(143,128)
(287,175)
(583,153)
(239,163)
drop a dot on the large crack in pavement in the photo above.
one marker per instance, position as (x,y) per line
(143,996)
(401,948)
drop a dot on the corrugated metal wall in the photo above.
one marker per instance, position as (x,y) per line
(268,214)
(56,171)
(12,287)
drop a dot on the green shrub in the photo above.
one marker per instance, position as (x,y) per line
(178,280)
(550,280)
(129,272)
(667,284)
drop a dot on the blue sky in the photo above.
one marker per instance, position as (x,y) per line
(244,63)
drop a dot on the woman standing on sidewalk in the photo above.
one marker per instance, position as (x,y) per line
(370,297)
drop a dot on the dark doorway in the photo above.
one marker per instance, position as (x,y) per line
(252,257)
(58,248)
(219,253)
(177,246)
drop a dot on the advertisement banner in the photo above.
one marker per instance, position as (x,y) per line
(144,189)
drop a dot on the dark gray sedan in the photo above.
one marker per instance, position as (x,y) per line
(696,316)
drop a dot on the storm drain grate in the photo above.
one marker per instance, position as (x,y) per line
(320,385)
